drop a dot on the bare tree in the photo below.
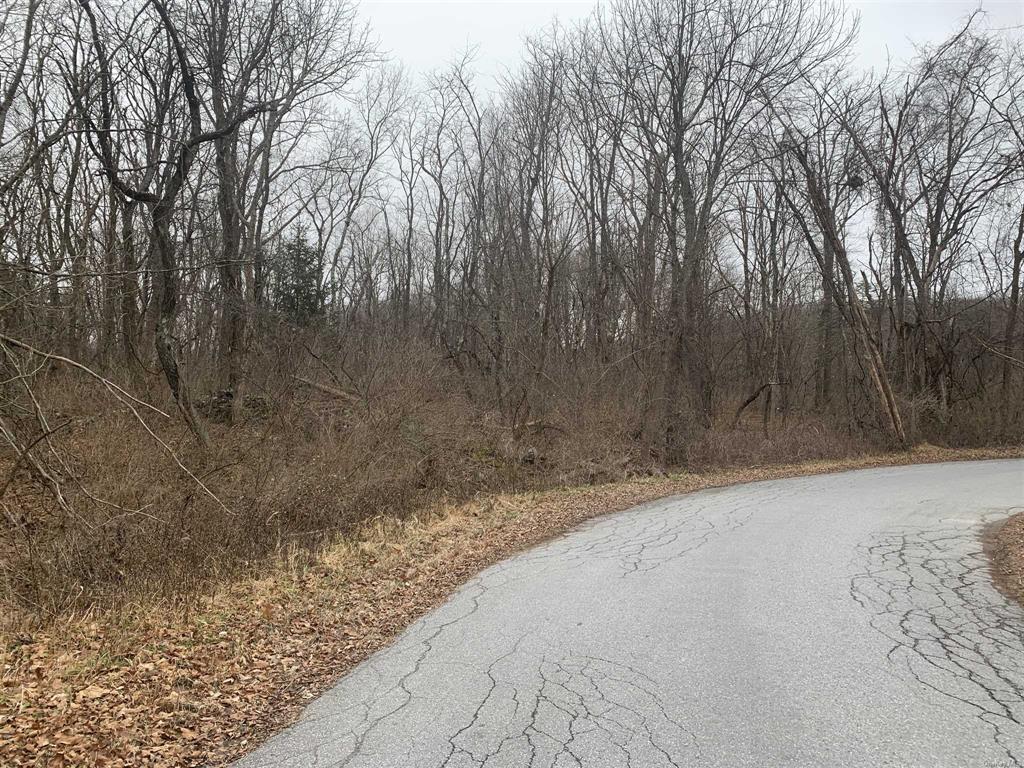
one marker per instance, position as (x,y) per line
(189,135)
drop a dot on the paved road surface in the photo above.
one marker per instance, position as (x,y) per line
(837,621)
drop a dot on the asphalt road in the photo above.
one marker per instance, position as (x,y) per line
(837,621)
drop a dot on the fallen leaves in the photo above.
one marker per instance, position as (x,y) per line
(92,692)
(172,687)
(1006,548)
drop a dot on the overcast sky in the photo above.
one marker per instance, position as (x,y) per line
(427,34)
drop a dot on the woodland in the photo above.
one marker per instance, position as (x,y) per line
(258,284)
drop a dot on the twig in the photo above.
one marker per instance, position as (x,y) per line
(126,399)
(114,388)
(340,394)
(996,352)
(23,454)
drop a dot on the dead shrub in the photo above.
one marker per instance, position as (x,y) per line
(791,442)
(340,432)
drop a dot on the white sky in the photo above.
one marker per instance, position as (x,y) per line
(427,34)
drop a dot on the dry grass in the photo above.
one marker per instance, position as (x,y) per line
(312,466)
(301,470)
(147,685)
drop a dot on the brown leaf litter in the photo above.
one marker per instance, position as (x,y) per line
(204,683)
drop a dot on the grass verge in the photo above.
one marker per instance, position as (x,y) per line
(202,682)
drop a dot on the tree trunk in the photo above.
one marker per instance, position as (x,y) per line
(232,314)
(823,378)
(129,282)
(166,287)
(1010,332)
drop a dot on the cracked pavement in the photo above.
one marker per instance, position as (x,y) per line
(844,619)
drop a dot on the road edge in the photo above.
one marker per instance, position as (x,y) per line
(208,684)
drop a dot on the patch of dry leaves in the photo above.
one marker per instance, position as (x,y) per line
(201,685)
(1006,549)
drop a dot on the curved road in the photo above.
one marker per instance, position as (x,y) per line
(840,620)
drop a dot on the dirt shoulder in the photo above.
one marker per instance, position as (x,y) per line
(204,683)
(1005,547)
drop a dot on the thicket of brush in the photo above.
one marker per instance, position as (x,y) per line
(257,285)
(105,510)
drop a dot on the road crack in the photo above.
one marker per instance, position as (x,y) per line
(930,593)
